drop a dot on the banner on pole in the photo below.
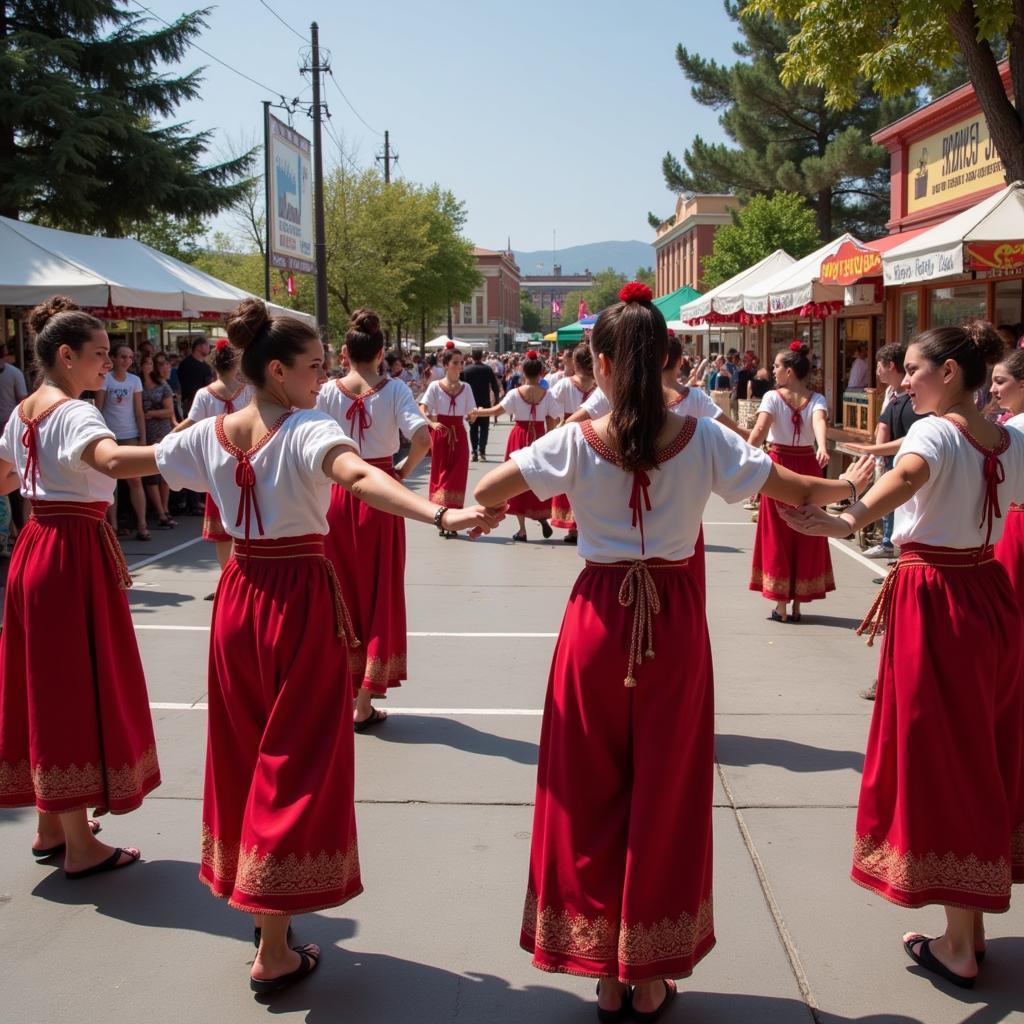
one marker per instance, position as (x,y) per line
(290,198)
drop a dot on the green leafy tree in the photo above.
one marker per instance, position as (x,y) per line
(79,92)
(180,237)
(645,275)
(785,136)
(531,317)
(765,224)
(897,47)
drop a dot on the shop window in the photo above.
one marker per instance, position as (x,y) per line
(1008,303)
(854,339)
(949,307)
(467,313)
(910,316)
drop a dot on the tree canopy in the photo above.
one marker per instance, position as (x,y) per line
(784,135)
(765,224)
(80,89)
(898,47)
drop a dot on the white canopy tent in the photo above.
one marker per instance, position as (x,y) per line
(796,285)
(441,342)
(727,298)
(118,278)
(939,252)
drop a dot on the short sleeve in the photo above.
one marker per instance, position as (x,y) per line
(7,437)
(181,459)
(198,411)
(705,405)
(429,399)
(768,404)
(888,416)
(315,437)
(818,404)
(552,406)
(926,439)
(408,415)
(136,382)
(79,426)
(737,469)
(508,401)
(548,465)
(597,405)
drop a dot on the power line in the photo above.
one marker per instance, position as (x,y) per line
(350,107)
(241,74)
(293,31)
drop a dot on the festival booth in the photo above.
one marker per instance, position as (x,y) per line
(573,334)
(116,279)
(441,342)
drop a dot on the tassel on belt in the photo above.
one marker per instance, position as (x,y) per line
(638,591)
(309,546)
(97,512)
(915,556)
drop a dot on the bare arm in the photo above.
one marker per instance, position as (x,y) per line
(819,424)
(121,461)
(760,431)
(492,410)
(140,416)
(419,445)
(796,489)
(184,424)
(165,412)
(550,422)
(727,421)
(101,400)
(500,484)
(579,416)
(8,477)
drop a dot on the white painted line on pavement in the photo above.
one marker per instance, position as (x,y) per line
(738,522)
(876,567)
(163,554)
(431,712)
(183,629)
(531,636)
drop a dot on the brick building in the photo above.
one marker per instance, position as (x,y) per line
(566,289)
(680,247)
(491,316)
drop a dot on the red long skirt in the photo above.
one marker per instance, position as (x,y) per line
(620,863)
(697,563)
(561,512)
(790,566)
(213,527)
(75,727)
(522,435)
(941,811)
(1010,550)
(373,586)
(449,462)
(279,825)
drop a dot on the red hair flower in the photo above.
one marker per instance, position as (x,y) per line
(449,344)
(635,292)
(795,346)
(532,354)
(222,344)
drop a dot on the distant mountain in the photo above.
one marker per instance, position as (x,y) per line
(624,257)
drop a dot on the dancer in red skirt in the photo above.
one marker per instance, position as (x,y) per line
(75,727)
(620,863)
(279,835)
(226,394)
(446,403)
(941,812)
(788,567)
(374,409)
(1008,392)
(570,393)
(534,411)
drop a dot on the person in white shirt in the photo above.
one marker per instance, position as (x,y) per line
(1008,393)
(624,737)
(860,375)
(940,820)
(570,393)
(279,782)
(120,401)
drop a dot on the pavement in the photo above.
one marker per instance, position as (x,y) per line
(445,793)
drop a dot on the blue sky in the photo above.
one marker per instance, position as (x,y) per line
(540,115)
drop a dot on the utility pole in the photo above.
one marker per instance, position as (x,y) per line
(386,157)
(319,239)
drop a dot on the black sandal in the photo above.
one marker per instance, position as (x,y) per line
(308,962)
(924,957)
(112,863)
(143,535)
(519,536)
(776,617)
(670,994)
(374,718)
(545,528)
(52,851)
(614,1016)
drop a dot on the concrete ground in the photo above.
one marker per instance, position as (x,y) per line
(445,791)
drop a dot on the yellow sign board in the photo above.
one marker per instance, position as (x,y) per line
(951,164)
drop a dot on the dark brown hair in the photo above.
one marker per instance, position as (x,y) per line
(364,338)
(449,355)
(674,352)
(893,354)
(583,358)
(263,338)
(1014,363)
(533,368)
(224,357)
(633,335)
(58,321)
(973,346)
(797,360)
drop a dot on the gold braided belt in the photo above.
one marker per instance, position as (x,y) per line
(917,556)
(97,512)
(639,591)
(306,546)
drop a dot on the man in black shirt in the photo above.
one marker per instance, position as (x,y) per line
(482,382)
(194,372)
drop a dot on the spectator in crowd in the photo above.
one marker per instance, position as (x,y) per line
(762,382)
(194,373)
(12,392)
(860,375)
(483,383)
(436,370)
(745,377)
(158,412)
(732,365)
(120,401)
(716,367)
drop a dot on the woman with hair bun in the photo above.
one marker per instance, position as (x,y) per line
(786,566)
(75,727)
(941,813)
(570,393)
(225,395)
(446,403)
(620,862)
(534,411)
(279,834)
(375,410)
(1007,391)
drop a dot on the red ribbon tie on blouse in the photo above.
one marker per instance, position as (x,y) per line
(798,423)
(359,418)
(994,474)
(245,477)
(30,439)
(640,499)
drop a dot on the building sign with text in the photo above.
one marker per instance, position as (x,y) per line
(995,255)
(951,164)
(290,198)
(850,264)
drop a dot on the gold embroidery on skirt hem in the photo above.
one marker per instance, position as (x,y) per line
(442,496)
(70,782)
(210,884)
(911,873)
(766,583)
(376,670)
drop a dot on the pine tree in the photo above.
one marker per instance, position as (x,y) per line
(785,138)
(80,90)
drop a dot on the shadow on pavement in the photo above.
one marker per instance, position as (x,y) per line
(744,751)
(726,548)
(449,732)
(146,600)
(734,1008)
(836,621)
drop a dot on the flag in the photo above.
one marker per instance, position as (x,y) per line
(291,285)
(583,311)
(556,307)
